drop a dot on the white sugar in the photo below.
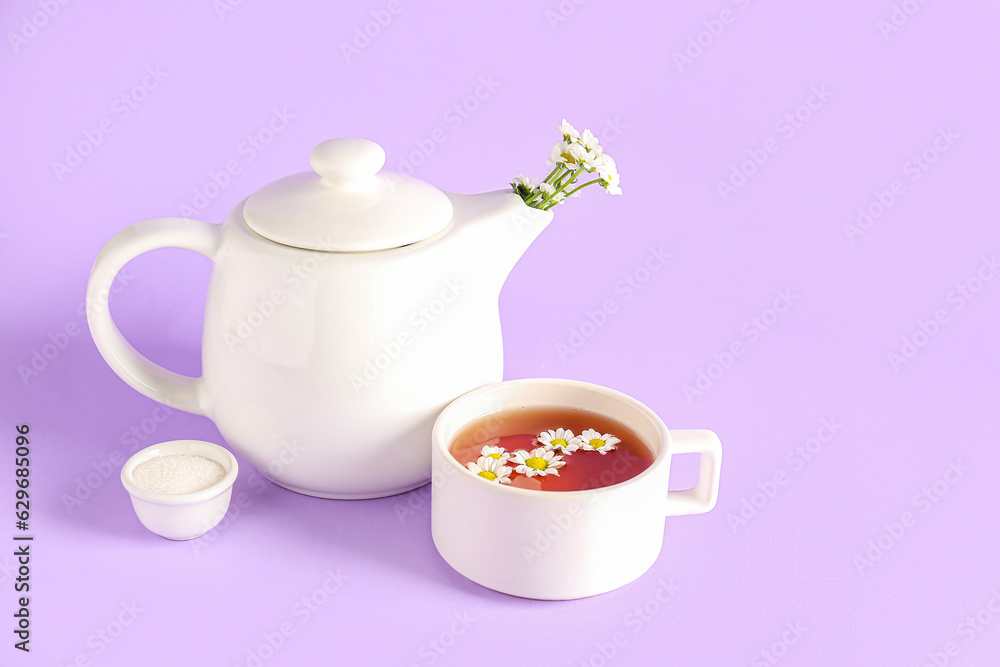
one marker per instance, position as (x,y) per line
(177,473)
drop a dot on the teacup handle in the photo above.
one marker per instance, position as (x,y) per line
(702,496)
(156,382)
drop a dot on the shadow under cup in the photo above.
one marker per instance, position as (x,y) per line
(560,545)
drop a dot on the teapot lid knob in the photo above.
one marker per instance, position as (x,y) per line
(345,160)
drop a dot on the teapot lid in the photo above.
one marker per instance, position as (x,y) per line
(347,203)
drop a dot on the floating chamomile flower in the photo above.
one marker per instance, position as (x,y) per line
(560,439)
(498,453)
(538,461)
(490,469)
(593,441)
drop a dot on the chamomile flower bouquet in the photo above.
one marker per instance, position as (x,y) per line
(576,157)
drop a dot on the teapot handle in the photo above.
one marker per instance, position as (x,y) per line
(702,497)
(156,382)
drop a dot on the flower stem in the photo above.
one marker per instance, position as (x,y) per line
(596,180)
(552,173)
(530,200)
(569,176)
(547,202)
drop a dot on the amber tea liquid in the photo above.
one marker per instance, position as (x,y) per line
(517,428)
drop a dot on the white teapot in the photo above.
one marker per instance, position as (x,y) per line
(347,307)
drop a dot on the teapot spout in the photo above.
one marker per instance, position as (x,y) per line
(492,230)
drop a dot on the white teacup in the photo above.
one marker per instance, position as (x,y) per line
(561,545)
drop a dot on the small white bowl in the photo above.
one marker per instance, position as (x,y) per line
(182,516)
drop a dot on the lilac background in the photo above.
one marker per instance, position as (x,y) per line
(676,131)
